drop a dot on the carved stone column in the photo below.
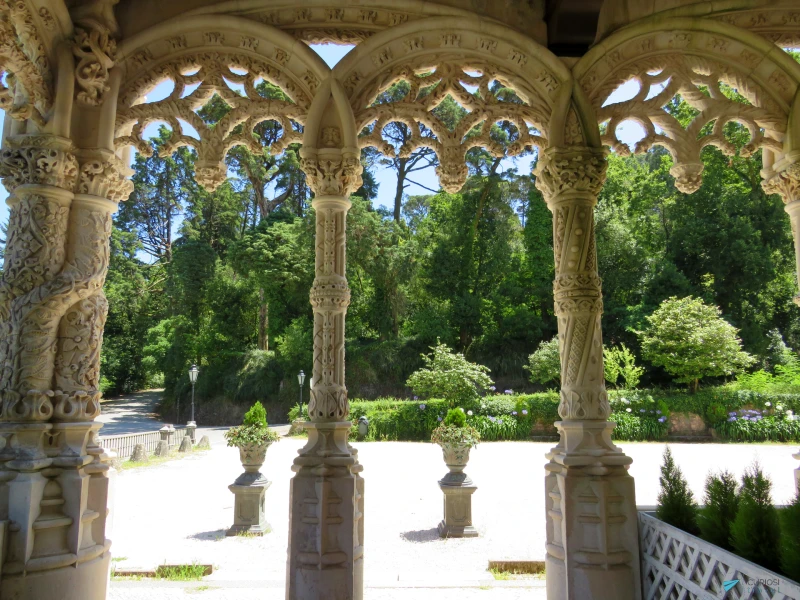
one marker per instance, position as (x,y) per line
(784,179)
(592,530)
(54,479)
(327,493)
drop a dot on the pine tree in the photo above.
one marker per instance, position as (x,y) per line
(721,506)
(676,504)
(755,533)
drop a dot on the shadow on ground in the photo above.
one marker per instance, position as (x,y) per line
(421,536)
(208,536)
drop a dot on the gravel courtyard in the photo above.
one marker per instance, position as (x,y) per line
(177,512)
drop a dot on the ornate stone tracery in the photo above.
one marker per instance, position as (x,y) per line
(429,85)
(705,70)
(207,74)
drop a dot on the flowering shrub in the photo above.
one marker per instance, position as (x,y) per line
(449,375)
(639,414)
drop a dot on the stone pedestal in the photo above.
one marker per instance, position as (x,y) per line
(167,433)
(457,521)
(249,515)
(326,525)
(191,430)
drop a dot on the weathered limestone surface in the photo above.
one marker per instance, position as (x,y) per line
(204,443)
(592,530)
(76,77)
(139,453)
(186,444)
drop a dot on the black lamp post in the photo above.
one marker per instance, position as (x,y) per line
(301,377)
(193,373)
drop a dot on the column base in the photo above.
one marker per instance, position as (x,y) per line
(457,521)
(326,503)
(84,581)
(592,523)
(249,514)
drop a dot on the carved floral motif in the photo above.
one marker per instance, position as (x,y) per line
(43,160)
(24,61)
(95,51)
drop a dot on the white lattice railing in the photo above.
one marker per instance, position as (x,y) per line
(123,444)
(680,566)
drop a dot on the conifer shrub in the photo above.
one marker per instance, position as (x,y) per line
(676,504)
(790,539)
(755,533)
(721,504)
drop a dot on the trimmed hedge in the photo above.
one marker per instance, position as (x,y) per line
(641,415)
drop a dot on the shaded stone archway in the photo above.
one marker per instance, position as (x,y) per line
(75,107)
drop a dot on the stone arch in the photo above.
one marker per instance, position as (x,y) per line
(687,56)
(470,52)
(203,52)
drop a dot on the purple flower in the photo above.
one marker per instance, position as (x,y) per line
(641,410)
(513,412)
(731,419)
(439,419)
(509,392)
(731,414)
(416,397)
(491,387)
(662,419)
(524,411)
(422,407)
(658,412)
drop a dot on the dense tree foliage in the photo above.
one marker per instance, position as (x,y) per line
(222,279)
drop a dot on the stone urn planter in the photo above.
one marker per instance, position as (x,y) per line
(252,438)
(456,439)
(253,456)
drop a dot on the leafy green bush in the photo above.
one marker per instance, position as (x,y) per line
(721,504)
(449,375)
(691,340)
(790,539)
(544,365)
(676,504)
(455,417)
(755,533)
(256,416)
(620,362)
(638,428)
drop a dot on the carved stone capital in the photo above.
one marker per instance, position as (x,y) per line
(570,172)
(38,160)
(106,177)
(332,173)
(328,403)
(784,180)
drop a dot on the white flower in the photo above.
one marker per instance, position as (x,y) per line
(627,410)
(767,403)
(469,412)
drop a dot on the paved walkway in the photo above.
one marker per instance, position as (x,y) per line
(133,413)
(177,513)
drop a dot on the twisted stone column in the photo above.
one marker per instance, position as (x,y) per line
(784,178)
(54,475)
(592,529)
(327,493)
